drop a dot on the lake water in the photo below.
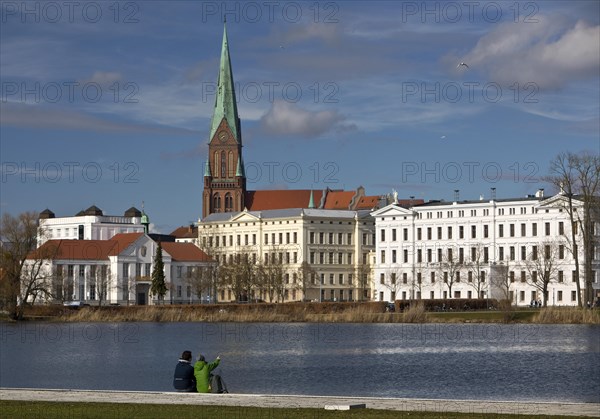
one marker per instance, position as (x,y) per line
(440,361)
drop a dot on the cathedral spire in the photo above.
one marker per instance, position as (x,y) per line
(225,101)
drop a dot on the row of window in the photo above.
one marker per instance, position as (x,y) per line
(485,231)
(474,212)
(330,238)
(250,239)
(481,254)
(403,277)
(469,294)
(480,276)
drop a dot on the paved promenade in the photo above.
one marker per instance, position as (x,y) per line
(319,402)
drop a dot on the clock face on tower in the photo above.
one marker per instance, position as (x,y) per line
(223,136)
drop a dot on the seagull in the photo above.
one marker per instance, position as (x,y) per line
(443,137)
(462,64)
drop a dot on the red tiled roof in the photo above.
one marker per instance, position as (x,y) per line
(185,252)
(75,250)
(339,200)
(281,199)
(123,241)
(367,202)
(84,249)
(189,232)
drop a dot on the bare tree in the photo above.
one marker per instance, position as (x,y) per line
(448,267)
(363,275)
(392,281)
(202,280)
(543,268)
(240,275)
(476,265)
(18,238)
(578,178)
(501,280)
(306,273)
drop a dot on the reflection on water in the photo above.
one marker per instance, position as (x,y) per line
(489,362)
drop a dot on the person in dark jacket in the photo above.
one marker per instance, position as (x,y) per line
(183,379)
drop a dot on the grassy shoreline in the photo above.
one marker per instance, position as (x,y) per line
(27,409)
(306,313)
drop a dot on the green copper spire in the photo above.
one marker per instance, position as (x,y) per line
(207,169)
(225,102)
(311,202)
(240,168)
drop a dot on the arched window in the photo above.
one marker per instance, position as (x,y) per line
(228,202)
(230,166)
(223,165)
(216,202)
(216,163)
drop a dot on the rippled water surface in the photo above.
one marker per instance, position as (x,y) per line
(487,362)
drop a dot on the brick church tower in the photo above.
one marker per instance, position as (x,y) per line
(224,176)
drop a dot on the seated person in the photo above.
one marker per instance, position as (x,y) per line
(202,371)
(184,379)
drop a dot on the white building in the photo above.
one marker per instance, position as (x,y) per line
(118,271)
(91,224)
(498,248)
(335,244)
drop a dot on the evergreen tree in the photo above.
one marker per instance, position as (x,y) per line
(158,287)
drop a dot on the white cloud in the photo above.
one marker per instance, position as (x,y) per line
(289,119)
(42,117)
(550,53)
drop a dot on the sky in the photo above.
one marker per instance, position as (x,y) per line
(108,103)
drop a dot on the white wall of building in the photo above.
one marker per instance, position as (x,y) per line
(410,243)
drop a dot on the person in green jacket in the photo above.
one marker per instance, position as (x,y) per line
(202,371)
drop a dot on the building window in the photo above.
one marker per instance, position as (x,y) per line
(405,233)
(228,202)
(561,251)
(523,230)
(534,229)
(561,277)
(473,232)
(383,256)
(501,253)
(461,232)
(511,229)
(393,234)
(485,231)
(428,233)
(393,256)
(561,227)
(382,278)
(523,253)
(449,233)
(382,235)
(501,230)
(547,229)
(405,255)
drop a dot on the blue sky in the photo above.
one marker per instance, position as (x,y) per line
(109,103)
